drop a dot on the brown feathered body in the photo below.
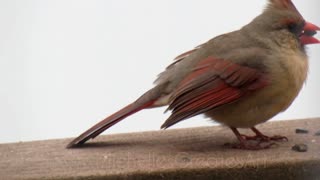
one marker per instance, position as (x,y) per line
(239,79)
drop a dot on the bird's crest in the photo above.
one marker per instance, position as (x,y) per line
(284,5)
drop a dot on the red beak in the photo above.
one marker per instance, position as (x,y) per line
(309,31)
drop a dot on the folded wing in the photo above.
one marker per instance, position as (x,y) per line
(213,83)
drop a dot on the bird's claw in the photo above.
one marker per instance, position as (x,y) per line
(253,147)
(278,138)
(263,138)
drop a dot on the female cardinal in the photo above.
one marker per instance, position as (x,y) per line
(239,79)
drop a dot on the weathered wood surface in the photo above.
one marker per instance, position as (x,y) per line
(194,153)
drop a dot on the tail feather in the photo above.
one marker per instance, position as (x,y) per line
(108,122)
(147,100)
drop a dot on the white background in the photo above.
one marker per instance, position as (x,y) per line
(66,64)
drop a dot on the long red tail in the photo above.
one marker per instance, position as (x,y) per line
(145,101)
(107,123)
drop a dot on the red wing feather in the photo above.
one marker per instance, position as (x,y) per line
(214,82)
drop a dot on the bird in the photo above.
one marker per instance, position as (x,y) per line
(239,79)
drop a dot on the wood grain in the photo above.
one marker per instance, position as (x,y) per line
(194,153)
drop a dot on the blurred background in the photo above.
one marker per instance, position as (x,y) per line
(66,64)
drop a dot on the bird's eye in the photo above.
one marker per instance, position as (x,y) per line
(296,28)
(291,26)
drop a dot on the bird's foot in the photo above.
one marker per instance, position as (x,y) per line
(249,146)
(249,138)
(277,138)
(264,138)
(257,142)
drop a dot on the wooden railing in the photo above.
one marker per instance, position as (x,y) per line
(194,153)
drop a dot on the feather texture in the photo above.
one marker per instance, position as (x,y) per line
(213,83)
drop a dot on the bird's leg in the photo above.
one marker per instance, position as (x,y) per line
(261,137)
(256,137)
(245,145)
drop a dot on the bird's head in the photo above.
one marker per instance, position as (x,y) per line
(283,20)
